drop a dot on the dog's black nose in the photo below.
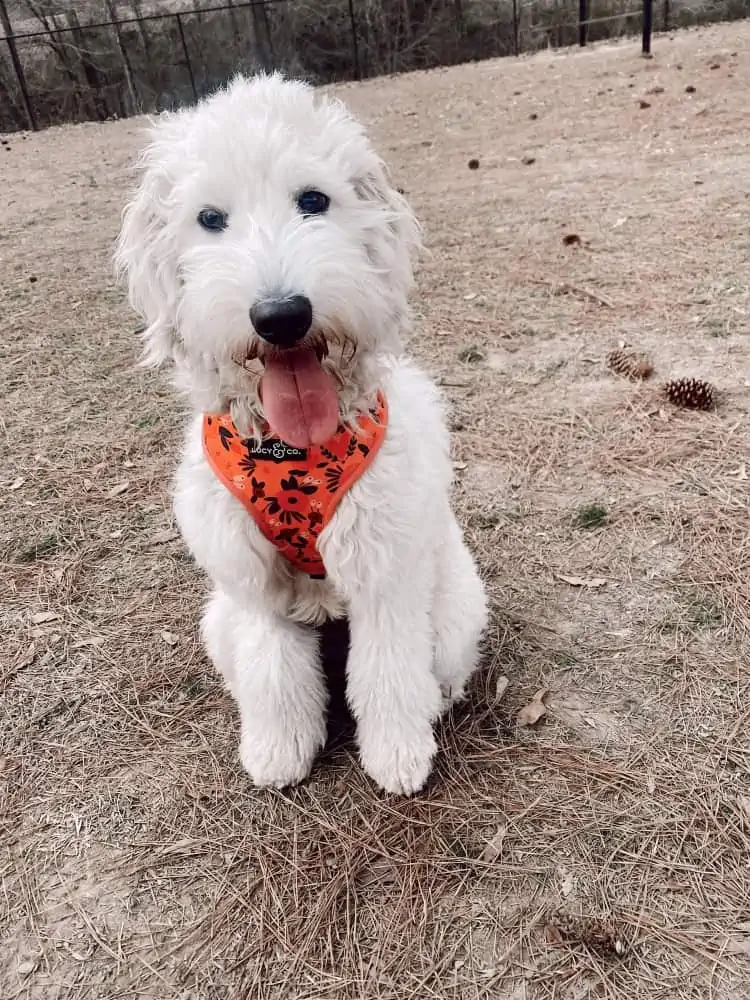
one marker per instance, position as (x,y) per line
(282,322)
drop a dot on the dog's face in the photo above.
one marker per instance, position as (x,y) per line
(268,254)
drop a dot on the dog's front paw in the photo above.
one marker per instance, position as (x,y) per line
(400,765)
(277,763)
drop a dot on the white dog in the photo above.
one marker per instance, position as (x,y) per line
(270,258)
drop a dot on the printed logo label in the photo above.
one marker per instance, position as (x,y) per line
(274,450)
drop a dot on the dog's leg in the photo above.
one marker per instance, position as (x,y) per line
(391,687)
(217,636)
(459,614)
(272,668)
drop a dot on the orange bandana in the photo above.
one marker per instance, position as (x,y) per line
(293,492)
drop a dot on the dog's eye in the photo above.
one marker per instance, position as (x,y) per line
(313,202)
(212,219)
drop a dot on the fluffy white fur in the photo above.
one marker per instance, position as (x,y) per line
(396,561)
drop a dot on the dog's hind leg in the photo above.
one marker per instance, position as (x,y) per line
(272,667)
(459,614)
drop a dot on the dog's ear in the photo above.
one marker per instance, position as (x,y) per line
(400,231)
(375,186)
(145,256)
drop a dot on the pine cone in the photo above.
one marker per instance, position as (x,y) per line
(597,934)
(690,393)
(629,363)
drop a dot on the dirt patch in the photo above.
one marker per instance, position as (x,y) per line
(599,853)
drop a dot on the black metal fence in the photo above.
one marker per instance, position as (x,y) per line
(54,69)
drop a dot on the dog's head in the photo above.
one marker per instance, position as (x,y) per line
(269,256)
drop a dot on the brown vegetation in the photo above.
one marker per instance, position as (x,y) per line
(600,851)
(80,67)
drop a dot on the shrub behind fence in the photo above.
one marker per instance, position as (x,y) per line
(107,59)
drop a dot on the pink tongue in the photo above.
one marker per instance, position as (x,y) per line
(299,399)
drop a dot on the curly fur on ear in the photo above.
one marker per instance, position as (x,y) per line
(375,187)
(144,255)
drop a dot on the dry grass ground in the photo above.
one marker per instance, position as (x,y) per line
(602,853)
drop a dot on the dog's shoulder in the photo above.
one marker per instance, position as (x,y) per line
(413,396)
(417,426)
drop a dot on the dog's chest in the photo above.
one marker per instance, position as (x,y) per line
(292,493)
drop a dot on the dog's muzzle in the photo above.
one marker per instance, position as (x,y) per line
(282,322)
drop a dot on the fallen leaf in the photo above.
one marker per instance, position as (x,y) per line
(579,581)
(531,714)
(94,640)
(501,687)
(118,490)
(28,657)
(169,637)
(87,485)
(161,537)
(77,955)
(18,483)
(44,616)
(554,935)
(740,473)
(493,848)
(567,885)
(534,711)
(738,946)
(744,803)
(381,872)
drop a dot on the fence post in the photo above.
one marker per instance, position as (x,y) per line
(96,98)
(355,42)
(648,12)
(516,31)
(666,15)
(187,55)
(126,67)
(582,22)
(262,32)
(18,68)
